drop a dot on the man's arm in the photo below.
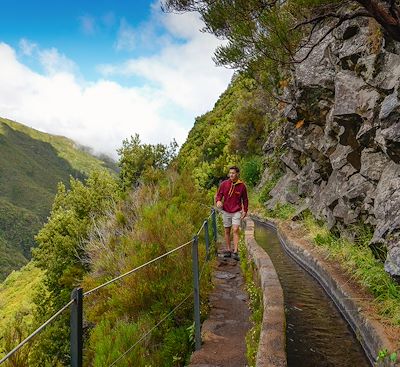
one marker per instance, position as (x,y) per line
(218,197)
(245,200)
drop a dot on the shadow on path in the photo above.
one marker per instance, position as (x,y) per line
(224,332)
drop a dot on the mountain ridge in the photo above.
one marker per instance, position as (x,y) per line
(32,163)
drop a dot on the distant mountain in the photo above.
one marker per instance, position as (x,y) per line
(31,165)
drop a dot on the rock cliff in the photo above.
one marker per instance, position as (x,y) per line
(342,134)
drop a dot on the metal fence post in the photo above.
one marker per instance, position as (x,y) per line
(76,322)
(214,223)
(196,286)
(207,239)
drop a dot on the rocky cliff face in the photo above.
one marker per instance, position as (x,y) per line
(342,135)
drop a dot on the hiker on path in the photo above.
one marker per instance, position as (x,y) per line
(232,193)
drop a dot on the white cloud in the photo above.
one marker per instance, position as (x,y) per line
(183,71)
(27,47)
(181,82)
(185,25)
(126,39)
(53,62)
(99,115)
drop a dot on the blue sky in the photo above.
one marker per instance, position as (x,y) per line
(100,71)
(86,31)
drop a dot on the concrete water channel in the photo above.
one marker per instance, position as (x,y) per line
(316,333)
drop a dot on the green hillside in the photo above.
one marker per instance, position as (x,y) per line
(31,165)
(231,133)
(17,292)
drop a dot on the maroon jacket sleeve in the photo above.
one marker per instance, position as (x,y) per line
(220,194)
(245,199)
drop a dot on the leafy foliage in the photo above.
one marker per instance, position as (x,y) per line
(16,295)
(95,232)
(143,161)
(59,242)
(157,218)
(252,169)
(261,35)
(60,252)
(225,135)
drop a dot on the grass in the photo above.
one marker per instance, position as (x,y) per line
(281,211)
(255,305)
(361,264)
(254,203)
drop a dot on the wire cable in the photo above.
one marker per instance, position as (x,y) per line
(135,269)
(202,226)
(150,331)
(202,268)
(141,266)
(38,330)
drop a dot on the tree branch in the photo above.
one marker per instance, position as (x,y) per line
(386,13)
(342,18)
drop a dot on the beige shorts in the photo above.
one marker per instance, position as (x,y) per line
(230,219)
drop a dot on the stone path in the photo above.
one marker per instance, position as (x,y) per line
(223,333)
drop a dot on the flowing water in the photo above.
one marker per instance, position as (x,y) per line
(316,333)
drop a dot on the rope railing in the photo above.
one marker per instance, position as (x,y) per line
(201,228)
(76,303)
(151,330)
(37,331)
(135,269)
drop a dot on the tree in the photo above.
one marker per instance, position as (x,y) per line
(61,254)
(137,159)
(261,32)
(386,13)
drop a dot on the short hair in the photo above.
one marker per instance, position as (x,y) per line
(236,168)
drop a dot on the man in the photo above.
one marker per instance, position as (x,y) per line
(233,193)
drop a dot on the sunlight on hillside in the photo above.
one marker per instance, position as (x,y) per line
(16,293)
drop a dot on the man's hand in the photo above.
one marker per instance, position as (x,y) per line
(244,215)
(219,204)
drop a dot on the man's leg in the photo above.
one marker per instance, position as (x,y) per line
(228,238)
(227,219)
(236,225)
(235,238)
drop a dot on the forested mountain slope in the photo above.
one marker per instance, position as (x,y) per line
(31,165)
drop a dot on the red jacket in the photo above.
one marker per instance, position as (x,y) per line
(234,194)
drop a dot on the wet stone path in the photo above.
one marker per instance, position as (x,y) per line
(224,332)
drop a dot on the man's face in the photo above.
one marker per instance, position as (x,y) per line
(233,175)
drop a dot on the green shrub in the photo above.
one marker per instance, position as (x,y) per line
(162,216)
(251,169)
(121,335)
(177,347)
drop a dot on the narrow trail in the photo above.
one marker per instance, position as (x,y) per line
(224,332)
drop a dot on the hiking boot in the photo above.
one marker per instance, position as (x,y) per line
(227,254)
(235,255)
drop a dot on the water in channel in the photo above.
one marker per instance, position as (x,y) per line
(316,333)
